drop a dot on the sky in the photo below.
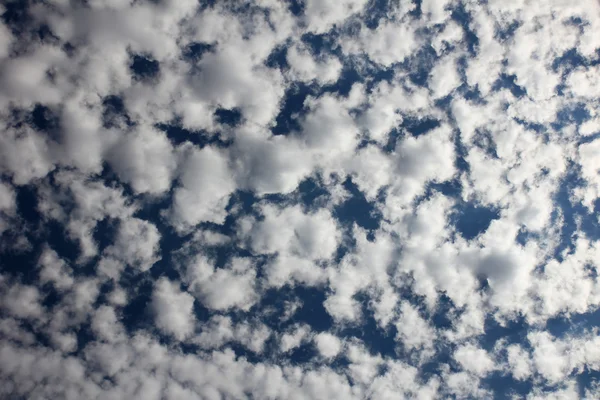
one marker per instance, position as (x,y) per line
(303,199)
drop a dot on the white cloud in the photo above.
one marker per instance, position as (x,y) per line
(364,270)
(402,378)
(413,331)
(483,70)
(26,155)
(429,157)
(364,367)
(328,129)
(106,325)
(533,49)
(474,360)
(144,158)
(451,35)
(464,385)
(289,231)
(231,78)
(548,357)
(568,390)
(118,297)
(173,309)
(8,207)
(89,202)
(588,160)
(221,330)
(7,198)
(21,301)
(24,79)
(286,270)
(436,12)
(294,338)
(328,345)
(6,39)
(322,15)
(136,244)
(567,286)
(84,140)
(444,78)
(304,67)
(388,44)
(372,170)
(269,164)
(222,288)
(55,270)
(590,127)
(205,186)
(387,103)
(519,362)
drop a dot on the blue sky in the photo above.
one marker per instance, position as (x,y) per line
(354,199)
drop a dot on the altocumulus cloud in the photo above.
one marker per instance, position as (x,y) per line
(304,199)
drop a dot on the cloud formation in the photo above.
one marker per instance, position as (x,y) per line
(299,200)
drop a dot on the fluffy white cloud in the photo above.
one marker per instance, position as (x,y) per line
(55,270)
(366,268)
(205,186)
(322,15)
(136,244)
(328,345)
(567,286)
(26,155)
(387,44)
(144,159)
(21,301)
(436,12)
(413,331)
(328,129)
(419,160)
(7,198)
(173,309)
(588,160)
(519,362)
(5,40)
(270,164)
(305,68)
(312,236)
(294,338)
(222,288)
(106,324)
(444,78)
(230,78)
(8,207)
(474,360)
(221,330)
(80,203)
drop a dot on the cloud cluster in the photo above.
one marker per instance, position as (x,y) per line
(299,200)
